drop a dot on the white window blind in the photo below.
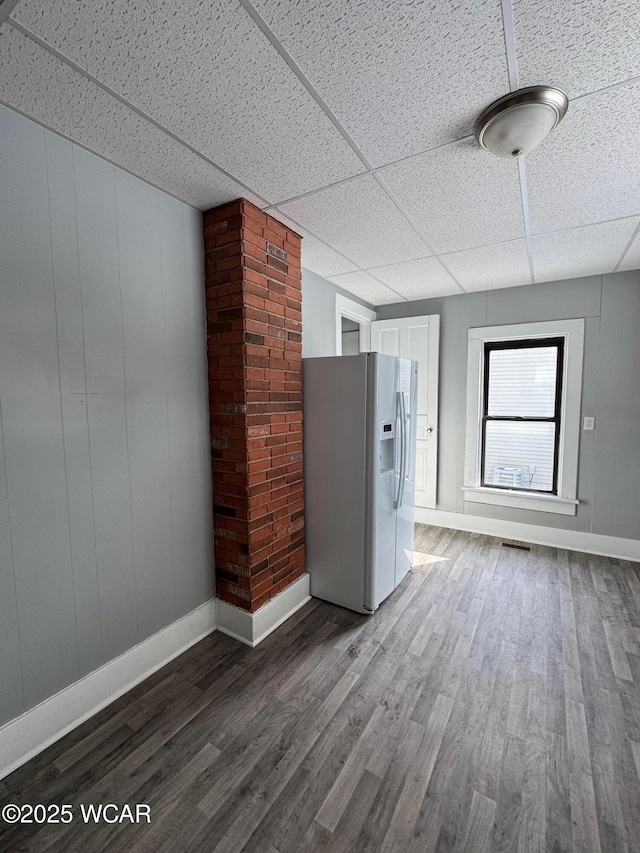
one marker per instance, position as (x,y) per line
(521,384)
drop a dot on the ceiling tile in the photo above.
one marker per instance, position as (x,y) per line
(579,46)
(587,170)
(581,251)
(489,267)
(41,86)
(419,279)
(401,77)
(316,255)
(208,74)
(322,259)
(364,286)
(359,219)
(459,196)
(632,258)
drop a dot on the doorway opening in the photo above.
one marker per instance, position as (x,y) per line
(356,332)
(350,337)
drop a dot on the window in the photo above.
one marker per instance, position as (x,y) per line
(523,415)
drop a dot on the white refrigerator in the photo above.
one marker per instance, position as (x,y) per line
(359,474)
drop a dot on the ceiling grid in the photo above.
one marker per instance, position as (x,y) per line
(252,11)
(112,93)
(352,123)
(512,66)
(624,254)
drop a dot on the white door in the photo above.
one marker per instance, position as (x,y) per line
(418,338)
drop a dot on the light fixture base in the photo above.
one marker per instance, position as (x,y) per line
(508,111)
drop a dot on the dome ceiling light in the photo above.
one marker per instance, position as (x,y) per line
(518,122)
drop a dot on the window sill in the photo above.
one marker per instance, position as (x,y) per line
(519,500)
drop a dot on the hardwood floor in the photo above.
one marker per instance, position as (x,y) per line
(491,704)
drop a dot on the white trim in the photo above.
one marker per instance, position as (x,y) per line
(520,500)
(573,332)
(554,537)
(353,311)
(252,628)
(516,331)
(403,326)
(27,735)
(510,44)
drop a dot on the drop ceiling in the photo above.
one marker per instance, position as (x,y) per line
(351,121)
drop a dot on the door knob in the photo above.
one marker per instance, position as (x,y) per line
(429,430)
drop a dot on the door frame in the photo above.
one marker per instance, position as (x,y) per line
(360,314)
(432,323)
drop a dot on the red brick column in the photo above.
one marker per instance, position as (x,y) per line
(254,334)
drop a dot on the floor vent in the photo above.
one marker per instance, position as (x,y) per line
(518,547)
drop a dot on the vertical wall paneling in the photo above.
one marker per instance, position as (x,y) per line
(73,388)
(608,393)
(11,695)
(586,458)
(328,340)
(203,584)
(609,472)
(633,391)
(177,380)
(318,316)
(455,322)
(104,433)
(548,301)
(313,316)
(32,419)
(627,474)
(140,276)
(104,353)
(632,397)
(187,415)
(618,444)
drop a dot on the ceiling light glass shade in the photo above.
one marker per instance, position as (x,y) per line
(517,123)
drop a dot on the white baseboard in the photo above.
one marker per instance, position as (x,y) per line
(27,735)
(252,628)
(556,537)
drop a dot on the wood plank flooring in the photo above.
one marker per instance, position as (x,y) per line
(492,704)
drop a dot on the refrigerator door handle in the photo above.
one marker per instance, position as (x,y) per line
(399,410)
(403,416)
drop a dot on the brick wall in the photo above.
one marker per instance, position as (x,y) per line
(254,348)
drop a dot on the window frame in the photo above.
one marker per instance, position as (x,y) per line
(565,500)
(556,419)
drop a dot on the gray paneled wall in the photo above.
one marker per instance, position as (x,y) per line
(105,524)
(609,472)
(319,314)
(615,454)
